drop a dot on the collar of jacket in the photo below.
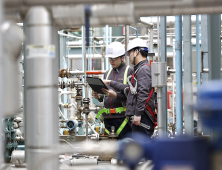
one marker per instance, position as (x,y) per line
(119,68)
(140,63)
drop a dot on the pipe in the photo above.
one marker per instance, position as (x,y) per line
(151,40)
(73,109)
(67,35)
(188,79)
(135,30)
(178,49)
(41,63)
(206,70)
(158,39)
(163,53)
(106,39)
(127,42)
(83,58)
(1,77)
(198,53)
(150,25)
(159,118)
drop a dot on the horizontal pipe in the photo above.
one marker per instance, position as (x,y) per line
(206,70)
(82,72)
(94,72)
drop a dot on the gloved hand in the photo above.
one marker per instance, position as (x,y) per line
(96,95)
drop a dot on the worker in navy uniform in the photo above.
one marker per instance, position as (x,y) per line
(114,101)
(140,104)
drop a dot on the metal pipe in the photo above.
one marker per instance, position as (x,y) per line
(73,109)
(198,52)
(214,34)
(83,58)
(1,77)
(135,30)
(42,63)
(159,118)
(150,25)
(188,79)
(106,39)
(163,59)
(151,40)
(206,70)
(178,49)
(127,41)
(158,39)
(67,35)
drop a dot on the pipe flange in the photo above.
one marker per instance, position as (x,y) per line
(86,110)
(86,101)
(78,97)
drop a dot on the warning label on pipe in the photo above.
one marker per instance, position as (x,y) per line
(40,51)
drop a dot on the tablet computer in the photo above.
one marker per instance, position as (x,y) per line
(96,84)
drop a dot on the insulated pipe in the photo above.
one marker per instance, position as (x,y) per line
(188,79)
(198,52)
(178,49)
(42,83)
(163,53)
(72,109)
(1,78)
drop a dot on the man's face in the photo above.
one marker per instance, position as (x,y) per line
(115,62)
(131,56)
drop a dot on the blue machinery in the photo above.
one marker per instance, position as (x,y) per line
(183,152)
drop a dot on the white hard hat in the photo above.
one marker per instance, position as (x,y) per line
(115,49)
(137,42)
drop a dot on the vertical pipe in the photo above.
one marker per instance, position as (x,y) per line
(107,43)
(204,49)
(173,92)
(188,85)
(204,44)
(178,49)
(198,52)
(158,39)
(1,78)
(214,33)
(127,41)
(163,59)
(42,84)
(85,66)
(83,59)
(159,118)
(151,40)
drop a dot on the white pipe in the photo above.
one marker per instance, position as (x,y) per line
(67,35)
(72,109)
